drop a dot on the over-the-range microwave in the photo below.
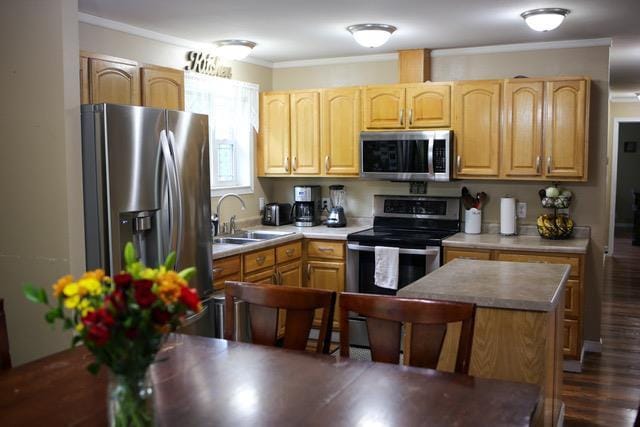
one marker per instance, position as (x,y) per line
(406,155)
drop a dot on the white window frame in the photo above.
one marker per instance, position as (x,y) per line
(205,86)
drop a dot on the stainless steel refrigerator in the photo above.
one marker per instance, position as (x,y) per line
(146,180)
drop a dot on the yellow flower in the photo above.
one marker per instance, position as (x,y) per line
(79,327)
(89,286)
(95,274)
(149,273)
(85,307)
(72,289)
(62,282)
(72,301)
(169,284)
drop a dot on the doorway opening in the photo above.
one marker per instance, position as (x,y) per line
(625,181)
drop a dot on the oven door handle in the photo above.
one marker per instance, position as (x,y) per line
(430,251)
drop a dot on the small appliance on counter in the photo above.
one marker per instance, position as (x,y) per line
(276,214)
(336,216)
(306,205)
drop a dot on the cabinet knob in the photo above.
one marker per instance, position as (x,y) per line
(289,252)
(261,259)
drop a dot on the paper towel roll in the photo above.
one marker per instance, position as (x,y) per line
(507,215)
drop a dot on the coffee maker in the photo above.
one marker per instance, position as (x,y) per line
(306,205)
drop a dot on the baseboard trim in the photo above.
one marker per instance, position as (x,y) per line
(574,366)
(592,346)
(560,420)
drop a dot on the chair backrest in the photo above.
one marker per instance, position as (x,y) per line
(264,303)
(385,316)
(5,356)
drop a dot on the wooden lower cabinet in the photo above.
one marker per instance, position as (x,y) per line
(224,269)
(289,274)
(266,277)
(329,275)
(573,297)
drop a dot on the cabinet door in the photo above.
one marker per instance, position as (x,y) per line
(288,275)
(522,142)
(428,106)
(326,275)
(274,133)
(114,82)
(476,128)
(305,133)
(565,134)
(84,80)
(384,107)
(341,123)
(163,88)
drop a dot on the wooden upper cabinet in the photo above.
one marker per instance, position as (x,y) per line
(274,144)
(384,107)
(305,133)
(84,80)
(163,88)
(428,105)
(114,82)
(476,128)
(341,120)
(522,139)
(566,130)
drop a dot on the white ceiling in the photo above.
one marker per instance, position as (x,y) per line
(288,30)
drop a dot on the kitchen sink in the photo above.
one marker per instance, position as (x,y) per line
(235,240)
(260,235)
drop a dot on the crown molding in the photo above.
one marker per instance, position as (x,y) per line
(378,57)
(153,35)
(519,47)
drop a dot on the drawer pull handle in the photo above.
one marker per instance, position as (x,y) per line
(261,259)
(290,252)
(325,249)
(217,270)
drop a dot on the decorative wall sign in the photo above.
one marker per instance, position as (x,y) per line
(207,64)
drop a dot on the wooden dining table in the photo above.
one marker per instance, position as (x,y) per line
(205,382)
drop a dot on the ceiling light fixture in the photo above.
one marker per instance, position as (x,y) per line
(371,35)
(546,19)
(234,49)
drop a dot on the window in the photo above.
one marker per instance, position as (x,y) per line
(232,107)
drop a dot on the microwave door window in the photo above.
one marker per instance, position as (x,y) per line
(407,156)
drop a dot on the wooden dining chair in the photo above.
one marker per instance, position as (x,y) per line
(385,316)
(5,356)
(264,304)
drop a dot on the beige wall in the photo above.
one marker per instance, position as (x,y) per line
(41,215)
(116,43)
(587,208)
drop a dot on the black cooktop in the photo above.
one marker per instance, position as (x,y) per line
(404,238)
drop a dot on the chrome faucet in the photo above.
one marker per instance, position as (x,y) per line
(215,218)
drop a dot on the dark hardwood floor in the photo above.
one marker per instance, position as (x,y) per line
(607,392)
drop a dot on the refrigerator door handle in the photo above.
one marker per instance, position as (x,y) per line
(180,196)
(173,196)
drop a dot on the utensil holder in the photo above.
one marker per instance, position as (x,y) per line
(473,221)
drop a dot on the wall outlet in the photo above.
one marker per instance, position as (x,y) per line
(261,203)
(326,203)
(521,210)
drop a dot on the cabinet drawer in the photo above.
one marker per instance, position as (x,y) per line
(225,267)
(451,254)
(259,260)
(267,277)
(572,299)
(574,262)
(325,249)
(218,284)
(288,252)
(570,333)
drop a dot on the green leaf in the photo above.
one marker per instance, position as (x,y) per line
(93,368)
(75,340)
(37,295)
(187,273)
(129,254)
(53,314)
(170,261)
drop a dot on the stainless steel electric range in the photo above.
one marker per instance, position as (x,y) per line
(416,225)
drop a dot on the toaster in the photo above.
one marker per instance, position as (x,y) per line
(276,214)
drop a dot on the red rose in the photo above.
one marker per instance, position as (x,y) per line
(143,294)
(189,297)
(161,317)
(99,334)
(117,300)
(122,280)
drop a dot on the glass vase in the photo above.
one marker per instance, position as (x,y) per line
(130,400)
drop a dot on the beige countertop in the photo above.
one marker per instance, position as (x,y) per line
(495,284)
(532,243)
(221,250)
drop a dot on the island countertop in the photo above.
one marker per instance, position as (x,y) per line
(494,284)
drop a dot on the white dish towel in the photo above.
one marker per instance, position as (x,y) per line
(387,260)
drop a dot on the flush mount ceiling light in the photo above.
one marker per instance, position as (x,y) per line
(371,35)
(544,19)
(234,49)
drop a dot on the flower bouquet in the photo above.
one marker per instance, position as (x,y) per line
(123,320)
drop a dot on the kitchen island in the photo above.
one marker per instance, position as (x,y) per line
(518,326)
